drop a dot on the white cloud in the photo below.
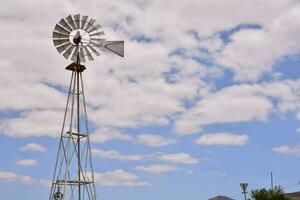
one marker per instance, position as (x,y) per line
(116,177)
(44,182)
(156,168)
(138,106)
(8,176)
(33,123)
(222,138)
(154,140)
(180,158)
(33,147)
(23,179)
(22,93)
(241,103)
(27,180)
(105,134)
(266,46)
(217,173)
(287,150)
(212,44)
(115,155)
(136,91)
(26,163)
(119,177)
(117,101)
(193,15)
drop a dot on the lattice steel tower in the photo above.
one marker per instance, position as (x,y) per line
(77,37)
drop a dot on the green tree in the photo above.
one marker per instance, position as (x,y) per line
(267,194)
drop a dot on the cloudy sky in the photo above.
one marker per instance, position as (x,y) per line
(207,96)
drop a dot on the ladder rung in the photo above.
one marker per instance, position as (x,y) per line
(77,134)
(71,182)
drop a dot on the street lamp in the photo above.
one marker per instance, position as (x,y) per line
(244,188)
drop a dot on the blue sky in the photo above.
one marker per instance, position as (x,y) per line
(206,97)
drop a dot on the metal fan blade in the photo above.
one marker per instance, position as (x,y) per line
(64,24)
(60,41)
(60,29)
(81,55)
(71,22)
(93,28)
(90,24)
(68,52)
(63,47)
(87,53)
(75,54)
(94,44)
(116,47)
(83,21)
(59,35)
(93,50)
(97,41)
(77,20)
(97,34)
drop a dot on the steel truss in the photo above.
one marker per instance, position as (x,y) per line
(73,177)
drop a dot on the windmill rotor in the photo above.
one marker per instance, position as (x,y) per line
(80,36)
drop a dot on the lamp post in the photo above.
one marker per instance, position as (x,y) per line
(244,188)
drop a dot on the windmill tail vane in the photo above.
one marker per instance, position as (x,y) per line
(79,39)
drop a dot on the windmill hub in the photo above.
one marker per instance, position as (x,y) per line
(77,38)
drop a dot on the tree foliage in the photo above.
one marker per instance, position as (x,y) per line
(267,194)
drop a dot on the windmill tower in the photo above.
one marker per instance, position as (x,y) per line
(77,38)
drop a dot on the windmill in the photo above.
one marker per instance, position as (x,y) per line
(79,39)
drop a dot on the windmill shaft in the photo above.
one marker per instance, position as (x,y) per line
(78,127)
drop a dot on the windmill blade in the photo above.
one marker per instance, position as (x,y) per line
(93,50)
(91,22)
(116,47)
(87,53)
(81,55)
(97,41)
(77,20)
(83,21)
(68,52)
(60,29)
(59,35)
(93,44)
(63,47)
(75,54)
(64,24)
(71,22)
(58,42)
(93,28)
(97,34)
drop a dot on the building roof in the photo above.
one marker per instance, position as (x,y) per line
(293,195)
(221,198)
